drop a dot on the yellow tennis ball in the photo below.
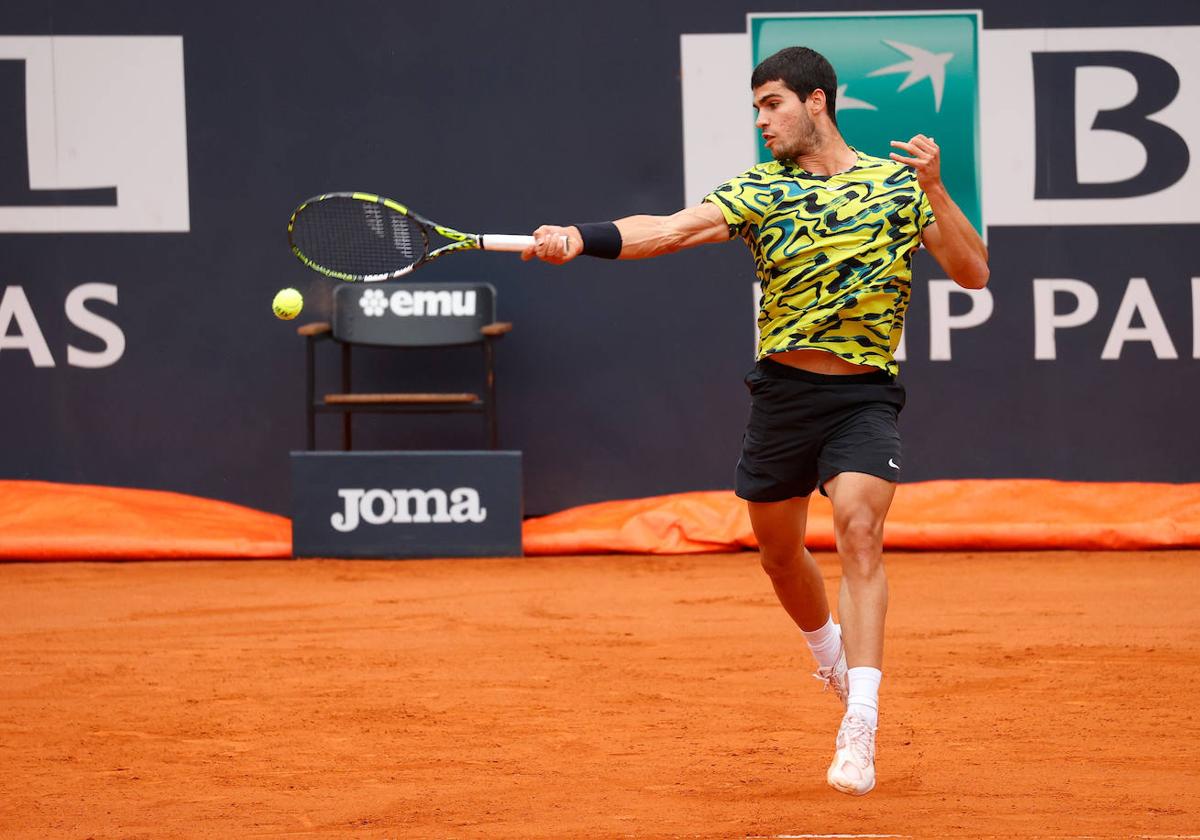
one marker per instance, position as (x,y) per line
(287,304)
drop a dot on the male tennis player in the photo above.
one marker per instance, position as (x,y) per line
(832,231)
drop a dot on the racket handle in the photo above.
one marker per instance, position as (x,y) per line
(506,242)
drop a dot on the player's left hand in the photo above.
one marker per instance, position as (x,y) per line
(926,159)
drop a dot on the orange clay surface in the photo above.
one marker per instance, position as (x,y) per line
(1051,695)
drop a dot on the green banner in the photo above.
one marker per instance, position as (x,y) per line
(898,75)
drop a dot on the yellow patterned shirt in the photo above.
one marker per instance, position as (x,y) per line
(833,254)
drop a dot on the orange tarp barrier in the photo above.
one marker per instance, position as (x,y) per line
(47,521)
(945,515)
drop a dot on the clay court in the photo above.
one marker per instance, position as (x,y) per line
(1037,695)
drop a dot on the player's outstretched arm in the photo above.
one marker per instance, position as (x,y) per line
(634,237)
(951,239)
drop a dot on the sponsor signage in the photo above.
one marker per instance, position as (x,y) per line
(1091,126)
(94,137)
(899,75)
(406,504)
(422,313)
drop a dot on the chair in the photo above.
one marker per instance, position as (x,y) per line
(404,316)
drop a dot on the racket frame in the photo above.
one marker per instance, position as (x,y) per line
(459,241)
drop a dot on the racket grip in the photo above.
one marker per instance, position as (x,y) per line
(506,242)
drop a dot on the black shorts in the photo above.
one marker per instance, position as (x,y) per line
(805,428)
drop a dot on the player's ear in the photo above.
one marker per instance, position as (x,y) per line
(816,102)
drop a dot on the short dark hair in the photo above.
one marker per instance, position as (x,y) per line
(802,70)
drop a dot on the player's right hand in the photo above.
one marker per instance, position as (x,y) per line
(548,245)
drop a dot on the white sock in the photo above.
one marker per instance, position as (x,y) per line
(864,694)
(825,643)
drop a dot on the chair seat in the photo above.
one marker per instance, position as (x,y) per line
(429,399)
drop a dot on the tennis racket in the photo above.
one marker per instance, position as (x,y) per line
(363,237)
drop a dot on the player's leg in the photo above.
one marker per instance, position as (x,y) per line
(779,528)
(860,504)
(859,466)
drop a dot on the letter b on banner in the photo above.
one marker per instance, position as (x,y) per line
(1056,79)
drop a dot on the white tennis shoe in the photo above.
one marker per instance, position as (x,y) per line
(853,767)
(837,677)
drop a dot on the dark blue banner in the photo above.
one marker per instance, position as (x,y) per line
(151,156)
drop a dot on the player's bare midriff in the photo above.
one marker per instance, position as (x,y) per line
(819,361)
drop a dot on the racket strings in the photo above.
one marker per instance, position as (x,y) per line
(358,237)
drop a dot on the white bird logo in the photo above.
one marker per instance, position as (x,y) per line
(849,103)
(922,64)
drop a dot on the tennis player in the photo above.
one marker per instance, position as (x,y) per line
(832,231)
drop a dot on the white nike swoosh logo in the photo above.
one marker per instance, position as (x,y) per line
(892,463)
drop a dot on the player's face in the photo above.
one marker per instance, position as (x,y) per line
(783,119)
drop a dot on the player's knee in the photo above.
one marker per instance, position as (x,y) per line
(860,545)
(780,561)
